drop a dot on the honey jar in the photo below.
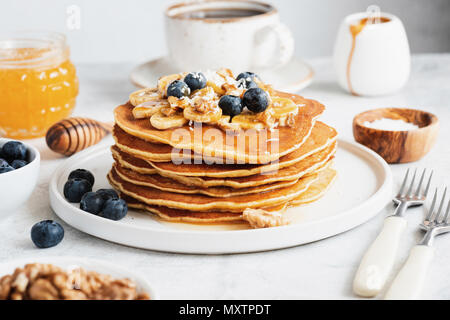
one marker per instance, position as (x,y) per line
(38,83)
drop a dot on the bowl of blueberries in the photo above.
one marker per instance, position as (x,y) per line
(19,171)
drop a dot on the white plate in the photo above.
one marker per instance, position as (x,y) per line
(362,189)
(292,77)
(70,262)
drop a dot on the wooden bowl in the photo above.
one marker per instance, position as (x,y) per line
(398,146)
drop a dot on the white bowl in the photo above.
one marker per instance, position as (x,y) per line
(88,264)
(16,186)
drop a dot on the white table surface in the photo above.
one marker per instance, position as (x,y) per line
(320,270)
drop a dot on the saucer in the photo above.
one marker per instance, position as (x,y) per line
(291,77)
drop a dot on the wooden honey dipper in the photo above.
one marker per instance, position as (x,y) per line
(75,134)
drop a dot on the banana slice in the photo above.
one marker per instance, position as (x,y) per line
(217,87)
(248,121)
(162,122)
(144,95)
(225,123)
(164,82)
(149,108)
(210,116)
(282,107)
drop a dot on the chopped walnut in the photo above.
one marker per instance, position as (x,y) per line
(205,100)
(266,117)
(47,282)
(258,218)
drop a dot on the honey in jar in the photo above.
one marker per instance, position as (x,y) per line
(38,83)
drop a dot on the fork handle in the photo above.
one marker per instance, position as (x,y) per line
(408,284)
(377,262)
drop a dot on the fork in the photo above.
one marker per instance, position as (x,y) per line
(377,263)
(410,279)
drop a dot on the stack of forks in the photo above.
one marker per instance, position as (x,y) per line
(378,261)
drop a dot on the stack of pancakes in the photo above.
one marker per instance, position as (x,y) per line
(299,171)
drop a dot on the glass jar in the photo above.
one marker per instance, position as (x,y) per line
(38,83)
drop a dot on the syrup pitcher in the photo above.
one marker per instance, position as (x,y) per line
(371,53)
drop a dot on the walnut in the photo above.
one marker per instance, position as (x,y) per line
(258,218)
(43,289)
(5,286)
(48,282)
(266,117)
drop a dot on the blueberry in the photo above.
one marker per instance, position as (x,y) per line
(248,76)
(230,105)
(75,188)
(47,233)
(8,168)
(13,150)
(82,174)
(195,80)
(256,100)
(247,84)
(107,194)
(178,89)
(114,209)
(92,202)
(247,80)
(16,164)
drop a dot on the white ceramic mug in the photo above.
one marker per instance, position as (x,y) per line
(380,60)
(241,43)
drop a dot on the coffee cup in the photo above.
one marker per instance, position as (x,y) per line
(238,34)
(371,54)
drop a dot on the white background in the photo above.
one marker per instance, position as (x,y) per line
(133,30)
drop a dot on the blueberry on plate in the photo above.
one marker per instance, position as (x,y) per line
(16,164)
(8,168)
(178,89)
(230,105)
(47,233)
(82,174)
(13,150)
(256,100)
(195,80)
(114,209)
(92,202)
(74,189)
(107,194)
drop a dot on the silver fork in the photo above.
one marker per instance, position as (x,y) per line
(377,263)
(410,279)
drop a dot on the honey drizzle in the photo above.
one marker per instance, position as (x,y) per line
(356,29)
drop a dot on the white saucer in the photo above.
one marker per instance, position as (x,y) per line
(292,77)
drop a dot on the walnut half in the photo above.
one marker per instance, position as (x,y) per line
(259,218)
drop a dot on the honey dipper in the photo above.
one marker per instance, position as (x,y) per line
(75,134)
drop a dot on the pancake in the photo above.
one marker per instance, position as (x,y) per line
(320,135)
(196,202)
(166,184)
(156,152)
(323,136)
(293,172)
(317,189)
(280,142)
(175,215)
